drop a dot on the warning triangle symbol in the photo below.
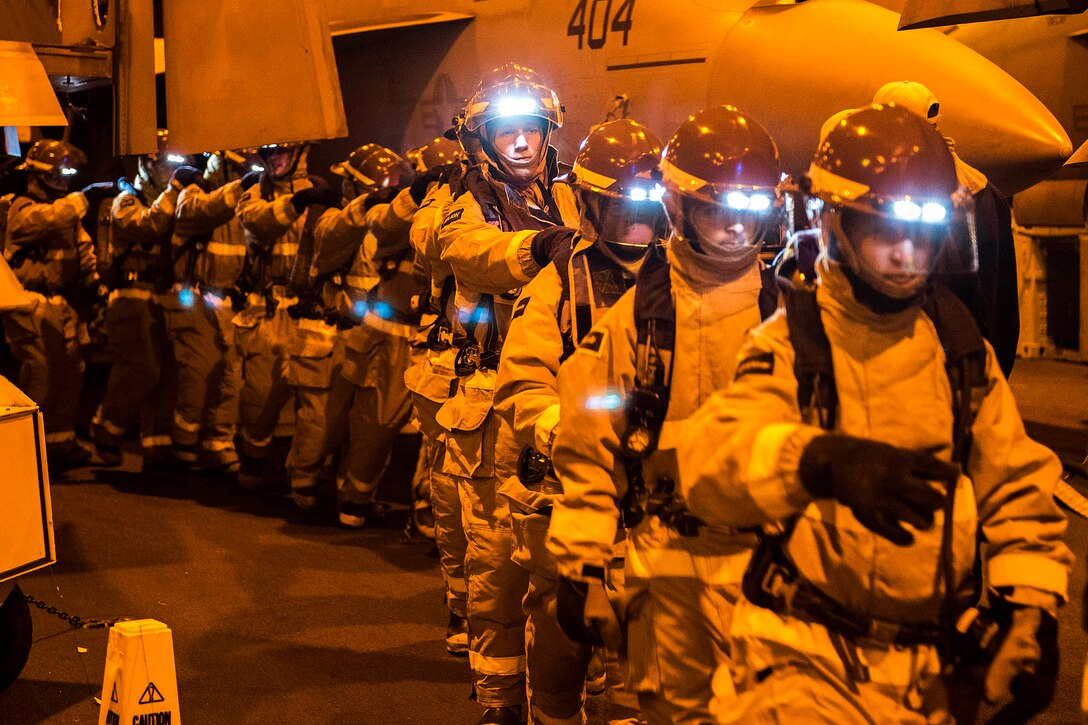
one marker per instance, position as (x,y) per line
(113,697)
(151,694)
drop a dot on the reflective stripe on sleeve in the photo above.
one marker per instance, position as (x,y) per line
(155,441)
(224,249)
(397,329)
(180,422)
(132,293)
(1020,569)
(285,249)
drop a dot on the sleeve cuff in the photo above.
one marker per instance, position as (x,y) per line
(1029,570)
(79,203)
(544,429)
(772,469)
(284,211)
(519,257)
(580,538)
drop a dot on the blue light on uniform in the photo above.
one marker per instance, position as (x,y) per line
(186,298)
(257,167)
(382,310)
(68,171)
(608,401)
(175,158)
(359,308)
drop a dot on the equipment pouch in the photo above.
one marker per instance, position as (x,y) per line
(470,429)
(432,382)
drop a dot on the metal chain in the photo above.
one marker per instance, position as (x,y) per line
(74,620)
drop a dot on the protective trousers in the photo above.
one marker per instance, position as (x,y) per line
(209,378)
(558,669)
(262,341)
(374,363)
(680,596)
(44,340)
(449,531)
(143,380)
(791,671)
(323,401)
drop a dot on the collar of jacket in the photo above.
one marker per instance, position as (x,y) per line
(704,272)
(837,300)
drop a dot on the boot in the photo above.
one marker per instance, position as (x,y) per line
(501,716)
(355,515)
(457,636)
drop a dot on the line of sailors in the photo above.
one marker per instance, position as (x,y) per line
(638,488)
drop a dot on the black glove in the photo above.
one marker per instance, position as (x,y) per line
(1025,666)
(881,484)
(548,243)
(95,193)
(319,193)
(250,179)
(418,189)
(585,614)
(384,195)
(125,186)
(186,175)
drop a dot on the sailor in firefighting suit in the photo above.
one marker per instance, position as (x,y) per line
(489,237)
(332,407)
(621,215)
(427,399)
(142,384)
(990,293)
(54,259)
(433,162)
(273,216)
(658,354)
(209,251)
(885,462)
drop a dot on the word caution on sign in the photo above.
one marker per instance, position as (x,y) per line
(140,686)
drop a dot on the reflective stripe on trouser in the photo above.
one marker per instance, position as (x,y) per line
(323,401)
(793,673)
(44,340)
(262,348)
(680,596)
(143,379)
(449,533)
(556,667)
(496,586)
(374,362)
(209,377)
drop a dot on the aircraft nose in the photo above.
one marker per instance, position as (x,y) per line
(840,52)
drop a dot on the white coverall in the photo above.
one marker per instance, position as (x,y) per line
(488,257)
(680,590)
(739,457)
(527,397)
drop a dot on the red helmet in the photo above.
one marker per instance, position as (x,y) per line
(886,160)
(615,178)
(619,159)
(721,174)
(884,173)
(49,155)
(440,152)
(512,90)
(719,151)
(373,166)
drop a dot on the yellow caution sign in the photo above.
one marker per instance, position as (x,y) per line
(141,685)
